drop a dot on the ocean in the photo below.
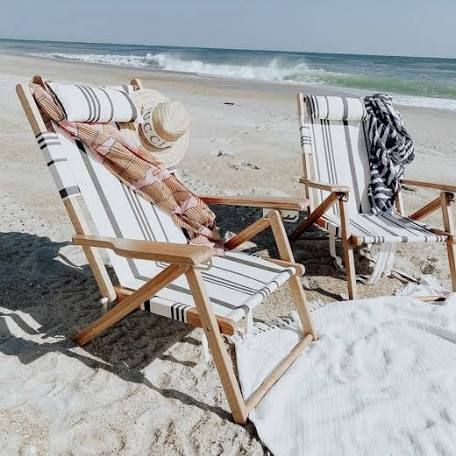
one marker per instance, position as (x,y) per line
(414,81)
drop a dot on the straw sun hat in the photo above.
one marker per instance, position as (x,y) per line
(164,131)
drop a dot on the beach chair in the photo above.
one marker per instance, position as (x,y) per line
(335,181)
(156,268)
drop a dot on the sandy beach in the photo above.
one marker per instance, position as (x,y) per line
(143,387)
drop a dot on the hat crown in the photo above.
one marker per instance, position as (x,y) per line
(163,133)
(172,119)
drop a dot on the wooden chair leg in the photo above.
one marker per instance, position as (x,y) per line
(129,304)
(349,259)
(451,249)
(448,223)
(220,355)
(297,291)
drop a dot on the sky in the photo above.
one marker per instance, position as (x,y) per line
(387,27)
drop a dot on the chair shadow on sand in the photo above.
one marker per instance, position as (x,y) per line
(45,294)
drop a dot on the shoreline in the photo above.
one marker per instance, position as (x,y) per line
(414,100)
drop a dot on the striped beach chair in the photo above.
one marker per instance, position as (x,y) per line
(156,269)
(336,176)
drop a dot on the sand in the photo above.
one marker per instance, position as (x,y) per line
(142,388)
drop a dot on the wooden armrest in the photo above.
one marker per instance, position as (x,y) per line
(148,250)
(267,202)
(433,185)
(333,188)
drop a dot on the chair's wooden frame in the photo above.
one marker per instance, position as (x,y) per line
(340,194)
(186,259)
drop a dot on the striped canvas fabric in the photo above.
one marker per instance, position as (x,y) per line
(337,108)
(235,282)
(339,150)
(377,229)
(339,153)
(56,159)
(90,104)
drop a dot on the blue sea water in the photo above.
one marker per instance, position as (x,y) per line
(417,81)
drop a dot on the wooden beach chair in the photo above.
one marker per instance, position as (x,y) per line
(157,269)
(336,178)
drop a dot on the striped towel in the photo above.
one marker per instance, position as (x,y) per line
(391,149)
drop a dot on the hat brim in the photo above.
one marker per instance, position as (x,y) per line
(171,156)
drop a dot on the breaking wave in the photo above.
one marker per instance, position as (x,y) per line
(274,70)
(361,74)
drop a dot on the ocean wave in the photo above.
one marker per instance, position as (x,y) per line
(410,92)
(106,59)
(426,102)
(275,70)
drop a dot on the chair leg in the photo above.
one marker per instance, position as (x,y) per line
(448,223)
(451,252)
(299,297)
(451,249)
(349,259)
(349,262)
(220,355)
(302,307)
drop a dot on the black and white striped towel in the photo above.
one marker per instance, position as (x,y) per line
(391,149)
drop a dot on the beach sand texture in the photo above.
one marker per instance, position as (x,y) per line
(142,388)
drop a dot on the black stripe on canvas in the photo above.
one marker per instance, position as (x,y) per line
(127,194)
(57,160)
(49,136)
(97,104)
(345,103)
(134,112)
(69,191)
(47,144)
(94,103)
(89,104)
(111,115)
(144,217)
(45,134)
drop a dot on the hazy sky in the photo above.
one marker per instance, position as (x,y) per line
(391,27)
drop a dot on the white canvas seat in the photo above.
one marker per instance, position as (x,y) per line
(378,229)
(235,283)
(336,176)
(155,266)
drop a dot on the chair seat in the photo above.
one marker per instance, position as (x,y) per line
(235,284)
(377,229)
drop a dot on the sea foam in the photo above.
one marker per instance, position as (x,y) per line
(275,70)
(285,68)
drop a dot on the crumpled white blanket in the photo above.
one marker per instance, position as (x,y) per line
(380,381)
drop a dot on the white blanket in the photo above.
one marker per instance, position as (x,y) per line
(380,381)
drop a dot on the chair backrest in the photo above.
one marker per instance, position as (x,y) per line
(114,209)
(334,147)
